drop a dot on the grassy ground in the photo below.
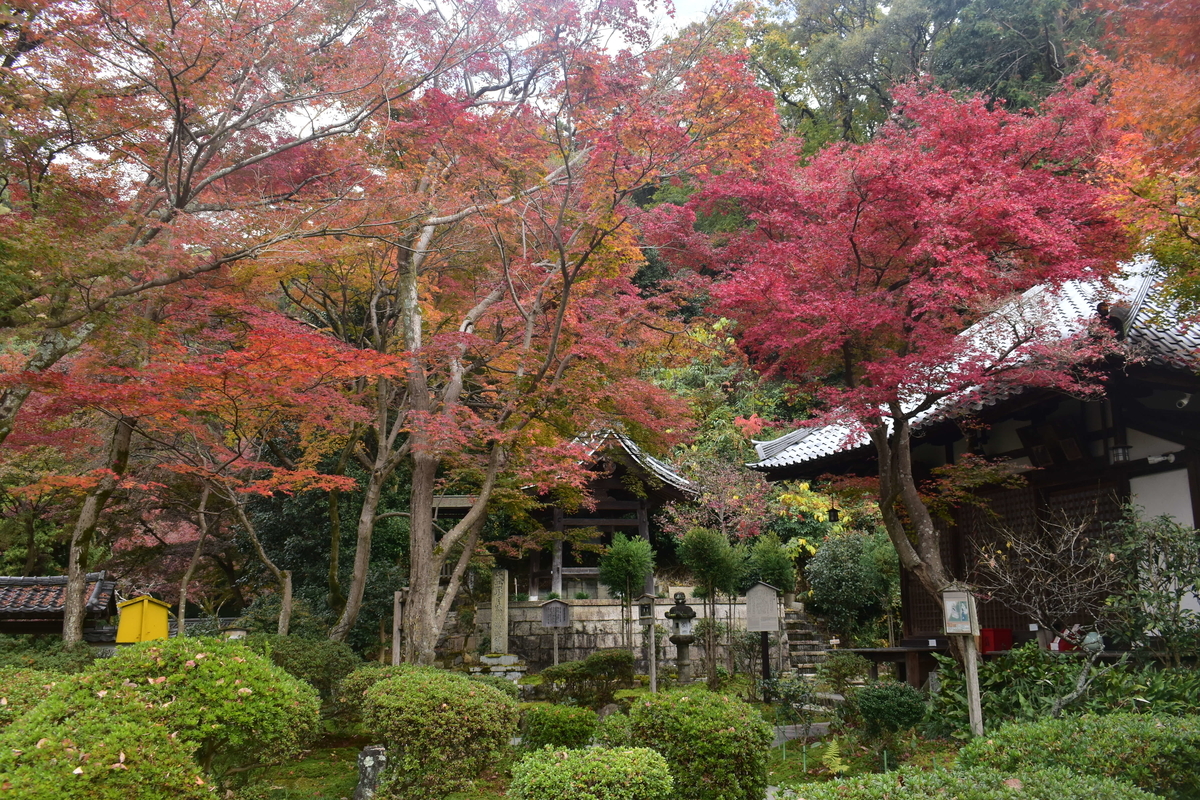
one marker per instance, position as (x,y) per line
(797,764)
(323,774)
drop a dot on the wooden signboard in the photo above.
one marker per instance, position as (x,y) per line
(556,614)
(762,608)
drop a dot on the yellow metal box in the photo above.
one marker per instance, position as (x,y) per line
(142,618)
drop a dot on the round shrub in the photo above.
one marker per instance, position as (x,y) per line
(558,726)
(81,743)
(510,688)
(320,663)
(627,773)
(1159,754)
(1025,784)
(233,704)
(888,707)
(615,730)
(717,745)
(441,729)
(351,692)
(21,690)
(592,682)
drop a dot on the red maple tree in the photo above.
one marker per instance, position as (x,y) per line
(857,272)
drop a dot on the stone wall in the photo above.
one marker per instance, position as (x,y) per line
(595,625)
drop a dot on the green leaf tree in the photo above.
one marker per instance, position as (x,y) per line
(623,571)
(716,567)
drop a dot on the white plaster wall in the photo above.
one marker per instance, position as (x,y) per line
(1165,493)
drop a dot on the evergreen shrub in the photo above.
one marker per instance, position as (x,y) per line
(888,707)
(351,693)
(1159,754)
(320,663)
(558,726)
(716,745)
(49,654)
(592,682)
(615,730)
(627,773)
(234,705)
(441,730)
(976,784)
(22,689)
(85,743)
(500,683)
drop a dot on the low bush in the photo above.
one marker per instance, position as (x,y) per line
(109,744)
(558,726)
(21,690)
(1022,685)
(441,729)
(1159,754)
(591,682)
(841,668)
(1023,784)
(887,708)
(49,654)
(236,707)
(320,663)
(717,746)
(627,773)
(351,693)
(615,730)
(498,682)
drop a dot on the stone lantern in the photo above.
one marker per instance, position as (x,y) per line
(681,616)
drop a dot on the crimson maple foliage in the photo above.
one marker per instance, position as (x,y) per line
(856,273)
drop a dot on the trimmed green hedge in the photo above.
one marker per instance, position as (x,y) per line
(320,663)
(717,746)
(558,726)
(351,693)
(441,729)
(84,743)
(22,689)
(592,682)
(498,682)
(236,706)
(1159,754)
(1025,784)
(627,773)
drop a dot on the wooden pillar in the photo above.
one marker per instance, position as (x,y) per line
(535,559)
(643,518)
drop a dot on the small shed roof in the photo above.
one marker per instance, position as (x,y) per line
(42,598)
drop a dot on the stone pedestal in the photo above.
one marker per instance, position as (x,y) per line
(502,666)
(499,611)
(371,762)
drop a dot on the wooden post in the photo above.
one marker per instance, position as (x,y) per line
(555,646)
(766,665)
(974,705)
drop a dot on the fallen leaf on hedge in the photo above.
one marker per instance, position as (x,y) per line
(78,770)
(118,765)
(42,743)
(1014,783)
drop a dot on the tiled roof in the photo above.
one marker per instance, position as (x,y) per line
(1153,331)
(42,597)
(661,469)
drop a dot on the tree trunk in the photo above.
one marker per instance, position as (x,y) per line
(202,520)
(362,553)
(282,576)
(921,554)
(75,600)
(425,565)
